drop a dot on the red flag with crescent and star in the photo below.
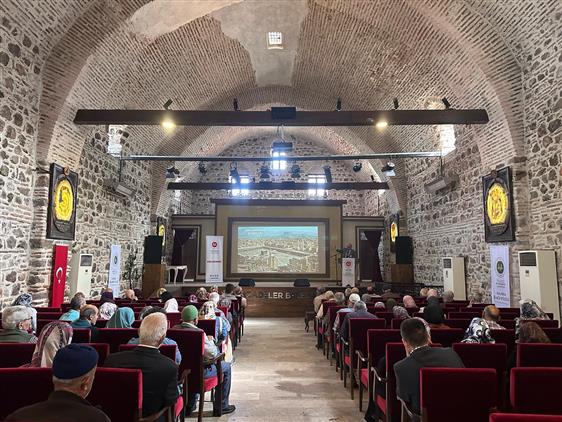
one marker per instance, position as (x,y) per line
(58,275)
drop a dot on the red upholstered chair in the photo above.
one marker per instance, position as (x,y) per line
(446,336)
(395,323)
(13,355)
(41,323)
(387,316)
(459,394)
(191,345)
(332,346)
(168,350)
(519,417)
(209,326)
(544,323)
(506,337)
(554,334)
(539,354)
(116,336)
(103,351)
(507,323)
(49,315)
(536,390)
(464,315)
(174,318)
(458,323)
(44,309)
(22,387)
(81,335)
(137,323)
(101,323)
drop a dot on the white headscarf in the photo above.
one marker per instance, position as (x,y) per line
(171,305)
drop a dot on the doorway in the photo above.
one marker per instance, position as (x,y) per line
(369,261)
(186,250)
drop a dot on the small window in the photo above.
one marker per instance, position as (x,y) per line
(244,180)
(274,40)
(317,184)
(279,164)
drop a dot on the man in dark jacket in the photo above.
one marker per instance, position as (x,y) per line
(74,368)
(159,373)
(88,317)
(416,340)
(359,311)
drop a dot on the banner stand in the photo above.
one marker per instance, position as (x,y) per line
(499,260)
(114,269)
(214,259)
(348,272)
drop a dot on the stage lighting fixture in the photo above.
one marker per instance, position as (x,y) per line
(172,172)
(357,167)
(295,171)
(373,178)
(281,146)
(265,173)
(235,177)
(388,169)
(381,124)
(235,104)
(202,168)
(338,104)
(167,104)
(328,173)
(395,102)
(446,103)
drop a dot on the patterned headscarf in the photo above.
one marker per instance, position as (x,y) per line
(400,312)
(24,299)
(122,318)
(192,298)
(478,332)
(54,336)
(107,310)
(409,302)
(530,310)
(207,311)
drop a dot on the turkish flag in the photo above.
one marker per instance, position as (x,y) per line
(60,260)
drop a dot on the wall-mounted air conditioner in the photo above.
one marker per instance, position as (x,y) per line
(453,276)
(537,275)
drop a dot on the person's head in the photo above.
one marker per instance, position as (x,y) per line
(129,294)
(90,313)
(409,302)
(400,312)
(355,290)
(530,310)
(214,288)
(229,288)
(478,332)
(329,295)
(448,296)
(207,310)
(491,313)
(76,303)
(414,334)
(159,292)
(370,290)
(215,297)
(531,332)
(353,299)
(349,246)
(390,304)
(190,314)
(24,299)
(74,368)
(433,315)
(106,296)
(166,296)
(380,306)
(238,291)
(149,310)
(477,297)
(359,306)
(122,318)
(339,298)
(202,294)
(152,331)
(138,293)
(80,294)
(320,291)
(432,293)
(347,292)
(366,297)
(432,301)
(423,292)
(16,318)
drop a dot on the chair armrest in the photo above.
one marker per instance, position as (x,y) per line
(360,356)
(346,343)
(377,375)
(169,410)
(413,417)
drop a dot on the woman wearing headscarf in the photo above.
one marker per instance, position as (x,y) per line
(433,315)
(170,304)
(25,299)
(529,311)
(207,311)
(390,304)
(122,318)
(409,302)
(54,336)
(107,304)
(478,332)
(400,312)
(202,294)
(530,332)
(329,296)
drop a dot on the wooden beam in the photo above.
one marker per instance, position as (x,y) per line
(278,186)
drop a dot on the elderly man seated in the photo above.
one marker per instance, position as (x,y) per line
(16,323)
(359,311)
(491,314)
(73,314)
(89,315)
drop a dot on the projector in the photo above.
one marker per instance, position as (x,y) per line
(441,183)
(119,187)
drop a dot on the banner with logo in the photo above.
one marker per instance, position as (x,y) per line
(348,272)
(213,261)
(499,258)
(58,275)
(114,269)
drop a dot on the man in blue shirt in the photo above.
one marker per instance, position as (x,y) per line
(73,314)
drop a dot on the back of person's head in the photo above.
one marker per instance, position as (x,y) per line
(339,298)
(89,312)
(14,316)
(229,288)
(80,294)
(189,314)
(414,333)
(320,291)
(359,306)
(329,295)
(432,293)
(390,304)
(531,332)
(166,296)
(77,302)
(491,313)
(354,298)
(448,296)
(74,369)
(370,290)
(148,310)
(153,329)
(347,292)
(215,297)
(423,292)
(238,291)
(355,290)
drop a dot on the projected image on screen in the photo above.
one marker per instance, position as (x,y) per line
(279,249)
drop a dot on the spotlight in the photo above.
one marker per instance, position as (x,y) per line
(388,169)
(395,102)
(234,176)
(446,103)
(202,168)
(295,171)
(235,104)
(172,172)
(338,104)
(381,124)
(357,167)
(328,173)
(265,173)
(168,124)
(167,104)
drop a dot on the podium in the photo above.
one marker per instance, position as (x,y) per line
(153,278)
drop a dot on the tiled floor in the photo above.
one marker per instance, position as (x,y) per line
(279,376)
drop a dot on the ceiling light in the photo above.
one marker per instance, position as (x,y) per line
(168,124)
(395,102)
(328,173)
(172,172)
(235,104)
(338,104)
(389,169)
(167,104)
(446,103)
(357,167)
(381,124)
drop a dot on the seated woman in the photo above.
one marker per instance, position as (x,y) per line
(400,312)
(107,304)
(530,332)
(478,332)
(529,311)
(54,336)
(25,299)
(16,323)
(170,304)
(122,318)
(434,316)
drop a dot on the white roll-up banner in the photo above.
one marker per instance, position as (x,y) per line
(499,259)
(114,269)
(214,259)
(348,272)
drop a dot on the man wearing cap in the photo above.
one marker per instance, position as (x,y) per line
(74,368)
(189,318)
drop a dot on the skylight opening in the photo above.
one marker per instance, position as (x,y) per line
(274,40)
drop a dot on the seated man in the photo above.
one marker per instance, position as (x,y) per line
(88,317)
(340,315)
(419,354)
(159,374)
(73,314)
(359,311)
(189,317)
(16,324)
(448,296)
(491,315)
(74,369)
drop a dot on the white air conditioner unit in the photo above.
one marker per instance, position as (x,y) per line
(81,274)
(440,183)
(537,277)
(119,187)
(453,276)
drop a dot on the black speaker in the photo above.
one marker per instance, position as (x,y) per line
(153,250)
(301,282)
(404,250)
(247,282)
